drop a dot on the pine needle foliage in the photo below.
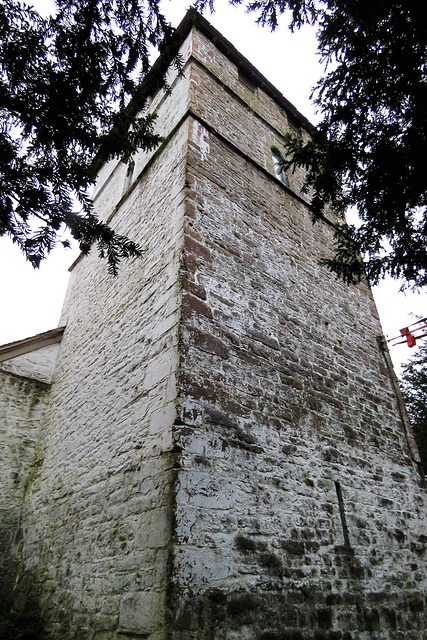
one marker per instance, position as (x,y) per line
(71,98)
(69,101)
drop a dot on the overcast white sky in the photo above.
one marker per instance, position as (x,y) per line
(32,299)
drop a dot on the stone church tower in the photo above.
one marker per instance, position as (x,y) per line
(214,448)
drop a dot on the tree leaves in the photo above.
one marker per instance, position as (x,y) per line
(71,98)
(66,85)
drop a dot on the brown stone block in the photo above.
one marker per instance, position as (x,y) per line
(266,340)
(189,263)
(235,408)
(194,247)
(190,182)
(260,352)
(339,350)
(329,399)
(192,304)
(219,417)
(190,231)
(232,337)
(207,342)
(190,210)
(192,160)
(193,288)
(229,248)
(291,382)
(198,390)
(229,303)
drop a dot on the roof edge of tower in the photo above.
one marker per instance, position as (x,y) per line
(194,18)
(154,78)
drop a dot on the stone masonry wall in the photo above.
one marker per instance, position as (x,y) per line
(170,109)
(96,529)
(223,455)
(37,364)
(254,122)
(22,405)
(300,512)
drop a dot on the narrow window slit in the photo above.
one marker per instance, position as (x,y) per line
(246,82)
(342,515)
(279,171)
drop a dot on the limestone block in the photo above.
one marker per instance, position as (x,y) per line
(37,364)
(141,612)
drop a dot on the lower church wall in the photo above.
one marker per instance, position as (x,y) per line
(22,405)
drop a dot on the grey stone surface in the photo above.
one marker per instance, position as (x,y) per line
(222,455)
(38,365)
(22,405)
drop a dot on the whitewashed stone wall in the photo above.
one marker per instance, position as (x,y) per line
(300,510)
(37,364)
(223,456)
(22,405)
(113,181)
(96,530)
